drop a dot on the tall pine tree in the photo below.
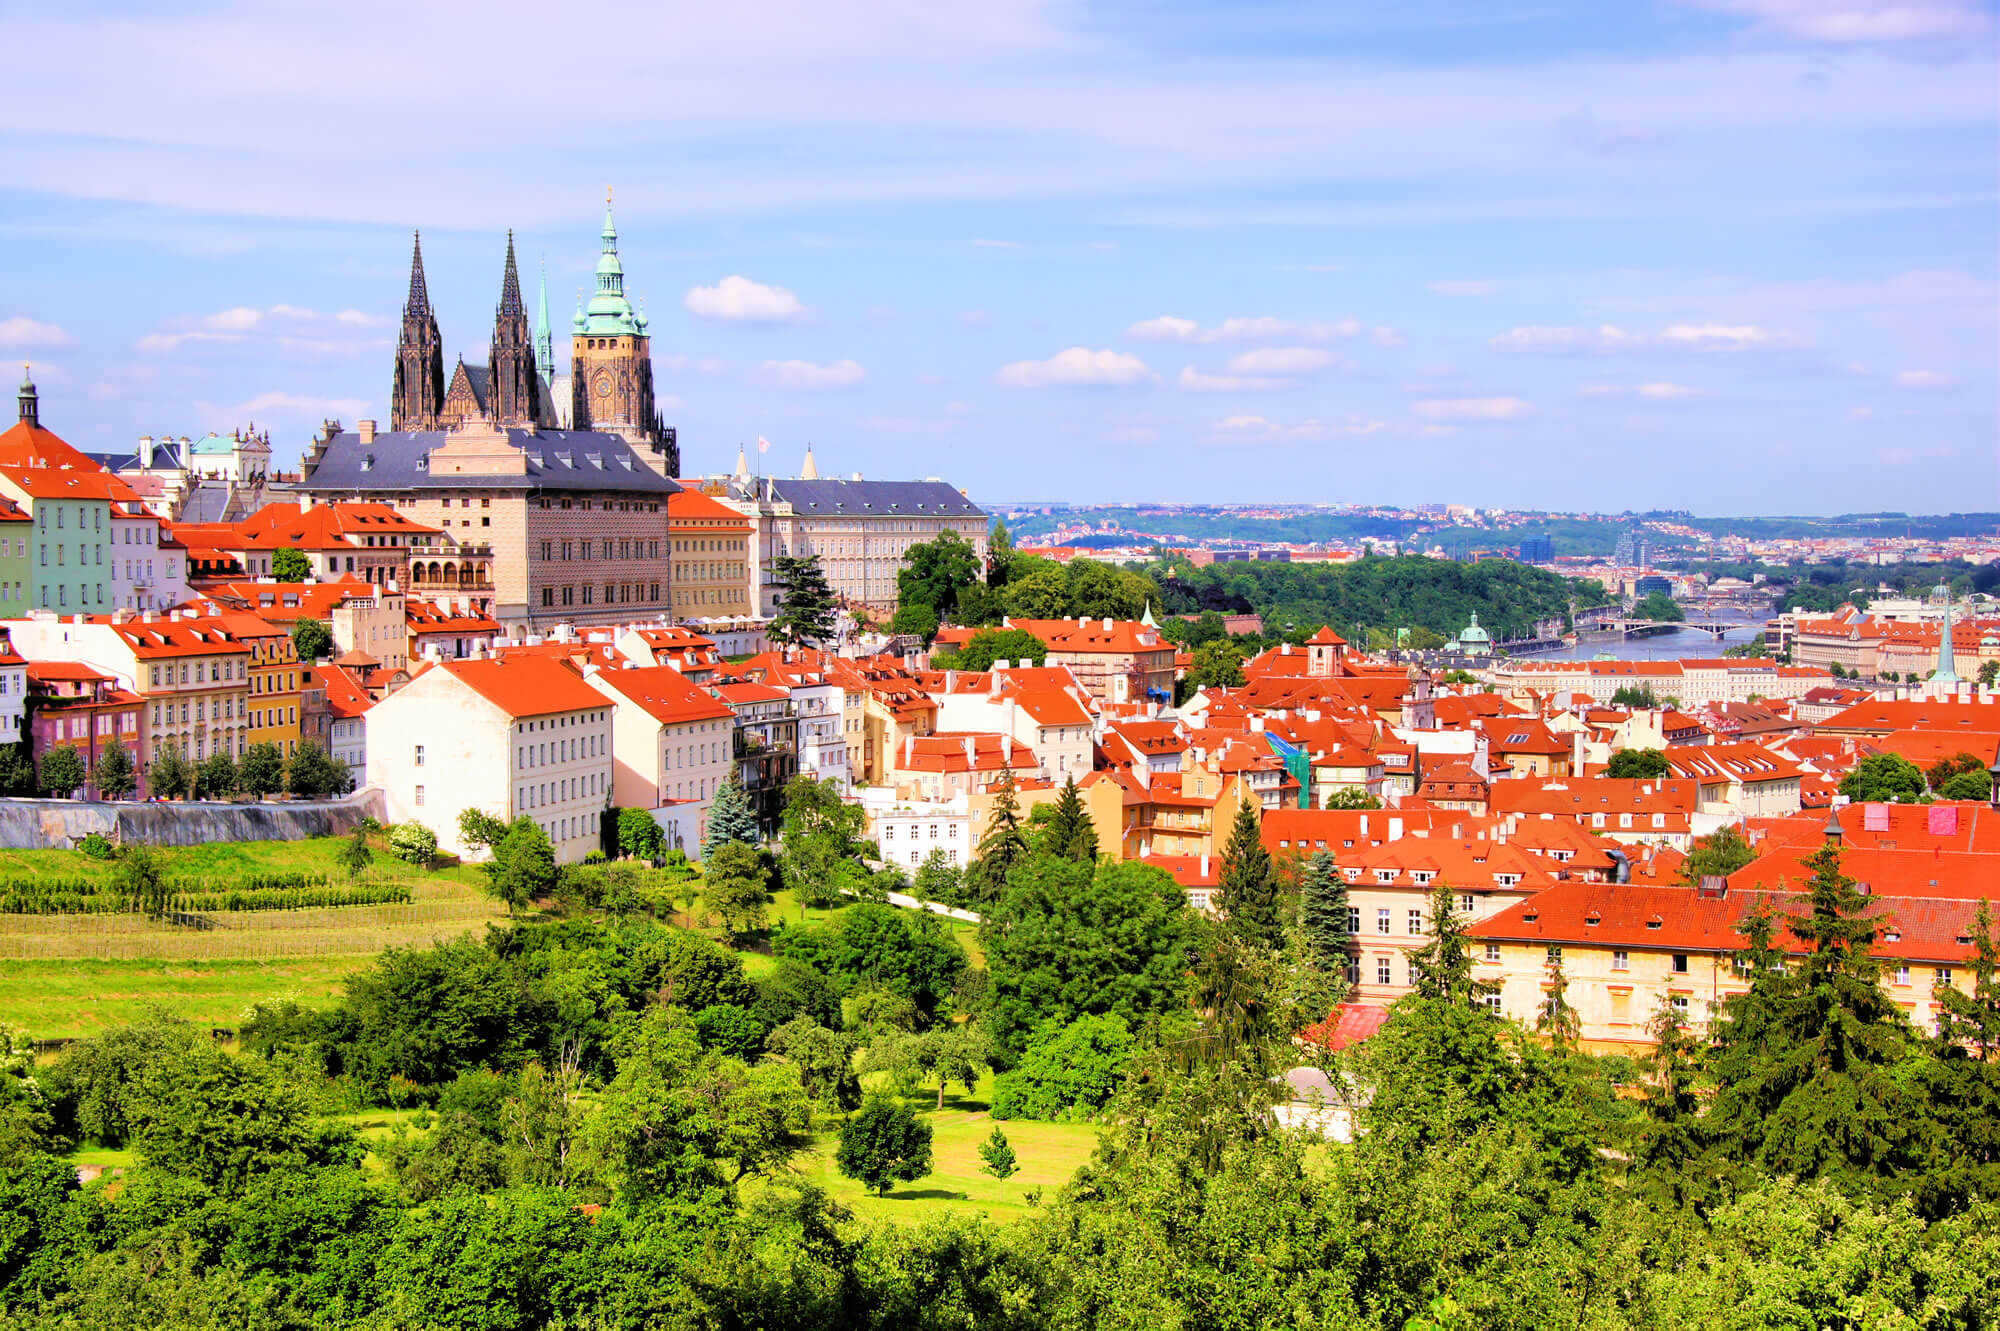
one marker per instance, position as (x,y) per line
(1805,1063)
(1323,914)
(1442,968)
(1071,834)
(1004,844)
(1670,1130)
(1557,1020)
(730,819)
(1249,881)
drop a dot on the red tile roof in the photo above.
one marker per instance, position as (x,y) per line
(526,685)
(666,695)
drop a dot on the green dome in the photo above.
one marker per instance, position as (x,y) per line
(1473,633)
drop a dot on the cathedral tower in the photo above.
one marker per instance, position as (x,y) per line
(419,389)
(514,392)
(611,385)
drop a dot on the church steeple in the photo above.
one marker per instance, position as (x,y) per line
(611,380)
(1947,666)
(418,393)
(515,393)
(545,339)
(31,414)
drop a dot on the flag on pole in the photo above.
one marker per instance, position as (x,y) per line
(763,444)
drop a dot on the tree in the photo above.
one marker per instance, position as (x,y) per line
(954,1053)
(1886,778)
(62,771)
(884,1143)
(355,857)
(523,866)
(805,602)
(1070,834)
(1556,1019)
(217,777)
(1217,664)
(1968,786)
(1004,844)
(824,1059)
(1660,608)
(934,573)
(998,1155)
(171,777)
(413,843)
(938,879)
(480,830)
(1352,797)
(17,770)
(315,774)
(1323,914)
(262,771)
(986,646)
(1040,593)
(1637,764)
(1067,939)
(918,621)
(1634,695)
(222,1120)
(1719,854)
(639,835)
(820,835)
(1070,1071)
(312,640)
(736,886)
(1944,769)
(115,774)
(730,818)
(1249,881)
(1670,1134)
(289,564)
(1441,970)
(1989,673)
(1805,1062)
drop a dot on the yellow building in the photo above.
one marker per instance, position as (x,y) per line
(276,681)
(710,546)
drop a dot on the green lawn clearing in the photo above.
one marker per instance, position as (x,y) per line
(78,997)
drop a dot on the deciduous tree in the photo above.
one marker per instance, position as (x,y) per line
(62,771)
(884,1143)
(115,774)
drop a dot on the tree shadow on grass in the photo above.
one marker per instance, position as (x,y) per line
(924,1194)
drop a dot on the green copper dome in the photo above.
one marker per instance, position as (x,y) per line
(609,313)
(1473,633)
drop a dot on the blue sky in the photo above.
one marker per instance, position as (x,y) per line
(1727,255)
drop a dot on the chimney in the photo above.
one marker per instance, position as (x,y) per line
(366,428)
(971,751)
(1007,749)
(1204,864)
(146,452)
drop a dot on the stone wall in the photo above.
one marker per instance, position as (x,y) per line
(61,824)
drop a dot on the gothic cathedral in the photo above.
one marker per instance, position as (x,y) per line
(609,388)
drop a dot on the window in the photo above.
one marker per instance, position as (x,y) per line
(1416,918)
(1493,953)
(1943,976)
(1354,919)
(1465,902)
(1382,971)
(420,755)
(1382,923)
(1680,963)
(1680,1004)
(1621,961)
(1902,975)
(420,795)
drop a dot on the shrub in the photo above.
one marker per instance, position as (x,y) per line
(413,843)
(97,847)
(1068,1072)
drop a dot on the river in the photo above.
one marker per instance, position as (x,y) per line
(1660,646)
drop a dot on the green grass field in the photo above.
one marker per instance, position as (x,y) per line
(64,999)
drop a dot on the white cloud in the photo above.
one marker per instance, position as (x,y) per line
(1483,286)
(1664,390)
(996,244)
(1470,408)
(21,331)
(1264,328)
(1923,379)
(361,320)
(1658,391)
(239,320)
(1265,428)
(1078,365)
(1718,337)
(242,321)
(805,374)
(739,300)
(1536,337)
(1281,360)
(1194,381)
(1387,337)
(285,404)
(1859,21)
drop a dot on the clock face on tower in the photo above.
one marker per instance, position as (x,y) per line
(602,383)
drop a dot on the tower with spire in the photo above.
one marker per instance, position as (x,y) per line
(514,389)
(611,358)
(1945,680)
(31,411)
(418,395)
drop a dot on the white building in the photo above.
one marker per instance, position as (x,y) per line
(908,830)
(348,702)
(145,575)
(13,690)
(1042,707)
(672,745)
(521,735)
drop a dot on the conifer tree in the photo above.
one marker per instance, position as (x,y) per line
(1442,968)
(1323,914)
(730,818)
(1004,844)
(1071,834)
(805,602)
(1670,1133)
(1249,881)
(1557,1019)
(1973,1020)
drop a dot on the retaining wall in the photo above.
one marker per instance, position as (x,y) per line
(60,824)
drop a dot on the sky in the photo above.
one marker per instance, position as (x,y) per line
(1732,256)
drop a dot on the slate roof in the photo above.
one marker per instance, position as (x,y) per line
(875,498)
(397,460)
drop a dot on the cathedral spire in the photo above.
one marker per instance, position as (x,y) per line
(30,403)
(1947,666)
(510,284)
(545,341)
(419,301)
